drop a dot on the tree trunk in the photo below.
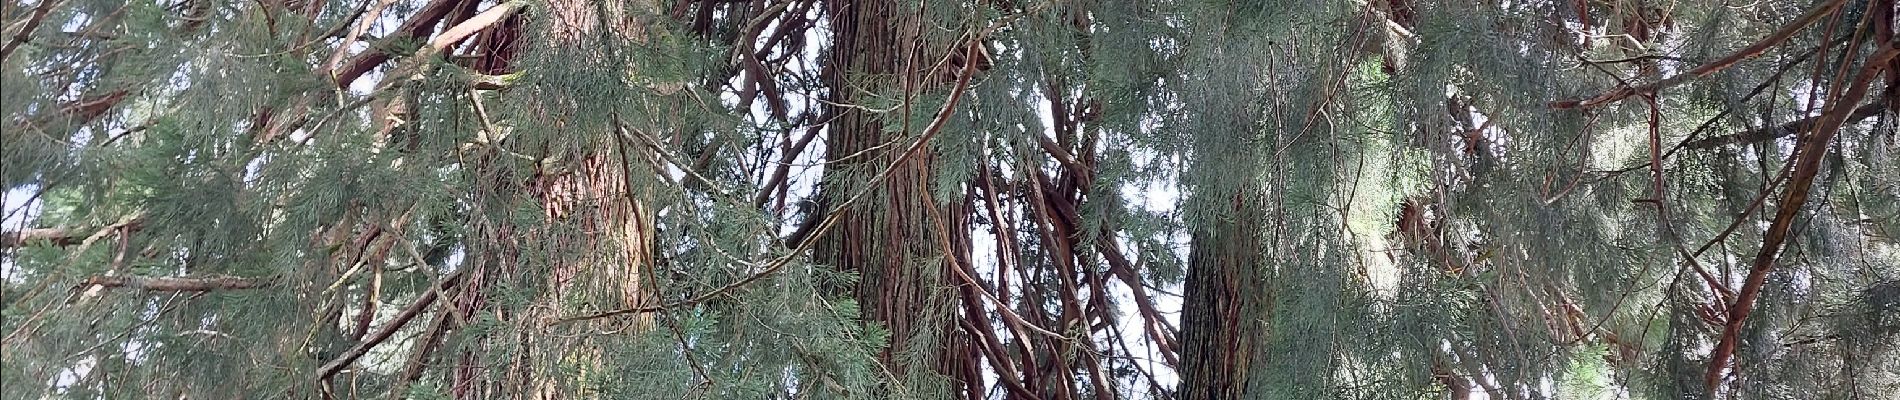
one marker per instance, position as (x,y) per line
(887,237)
(588,184)
(1222,301)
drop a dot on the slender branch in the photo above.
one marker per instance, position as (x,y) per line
(1157,326)
(785,163)
(1790,128)
(1780,35)
(1633,59)
(428,298)
(176,284)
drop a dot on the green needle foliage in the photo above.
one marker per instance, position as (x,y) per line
(949,199)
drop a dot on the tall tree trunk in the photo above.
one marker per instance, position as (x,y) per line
(887,236)
(1222,301)
(588,185)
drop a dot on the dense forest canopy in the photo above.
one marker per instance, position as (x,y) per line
(950,199)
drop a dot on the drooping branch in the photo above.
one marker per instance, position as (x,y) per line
(176,284)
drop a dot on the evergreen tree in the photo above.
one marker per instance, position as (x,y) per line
(935,199)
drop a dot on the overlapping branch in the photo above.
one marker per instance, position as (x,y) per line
(1813,150)
(1771,132)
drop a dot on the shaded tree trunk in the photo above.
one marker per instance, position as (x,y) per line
(888,237)
(592,191)
(1223,299)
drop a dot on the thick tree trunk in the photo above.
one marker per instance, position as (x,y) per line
(592,240)
(1222,302)
(887,237)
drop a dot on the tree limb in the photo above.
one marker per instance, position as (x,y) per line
(62,236)
(1780,35)
(1801,125)
(31,24)
(176,284)
(418,26)
(428,298)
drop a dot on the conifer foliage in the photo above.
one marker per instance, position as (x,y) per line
(949,199)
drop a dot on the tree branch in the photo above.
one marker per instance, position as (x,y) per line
(418,26)
(1801,125)
(475,24)
(27,27)
(176,284)
(330,369)
(1813,149)
(1786,31)
(64,237)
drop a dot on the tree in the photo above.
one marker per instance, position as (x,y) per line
(948,199)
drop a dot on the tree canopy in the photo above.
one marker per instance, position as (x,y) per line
(949,199)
